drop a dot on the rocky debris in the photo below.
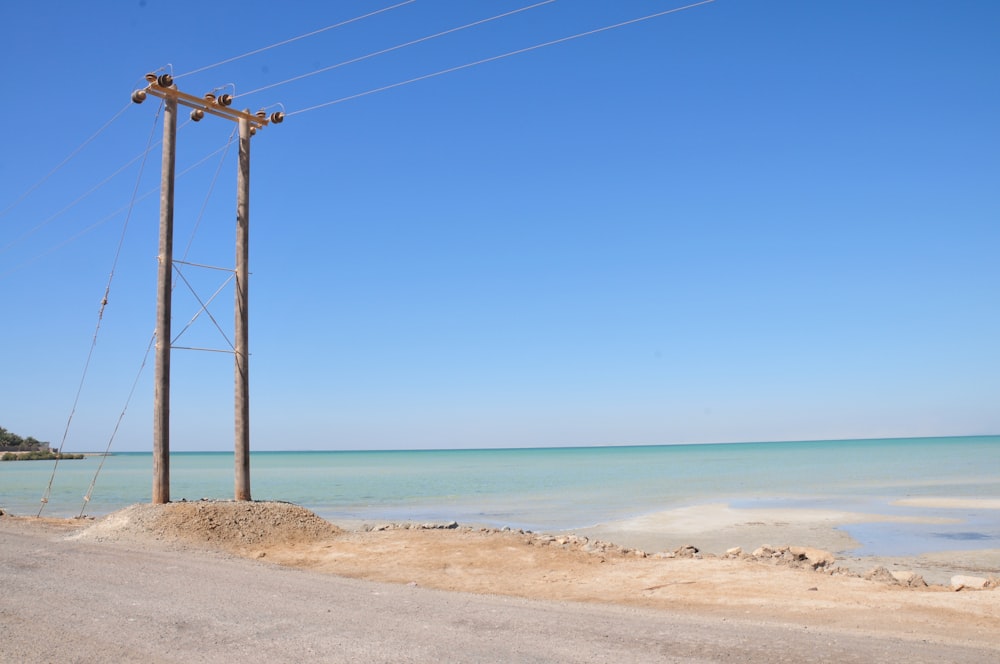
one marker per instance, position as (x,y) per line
(909,579)
(903,578)
(450,525)
(568,541)
(964,582)
(600,547)
(584,544)
(815,558)
(248,527)
(792,556)
(881,575)
(798,557)
(229,525)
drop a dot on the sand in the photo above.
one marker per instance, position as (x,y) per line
(794,588)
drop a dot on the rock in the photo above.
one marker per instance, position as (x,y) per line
(686,551)
(816,558)
(763,552)
(909,579)
(882,575)
(961,582)
(451,525)
(735,551)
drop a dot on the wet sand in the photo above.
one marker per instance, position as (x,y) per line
(716,528)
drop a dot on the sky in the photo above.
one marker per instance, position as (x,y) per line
(743,221)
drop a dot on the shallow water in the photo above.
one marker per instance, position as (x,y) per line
(560,488)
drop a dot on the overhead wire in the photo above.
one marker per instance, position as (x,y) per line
(65,161)
(114,433)
(100,316)
(294,39)
(98,186)
(499,57)
(79,199)
(107,218)
(150,145)
(45,222)
(152,338)
(211,188)
(396,48)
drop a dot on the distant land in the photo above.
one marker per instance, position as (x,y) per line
(15,448)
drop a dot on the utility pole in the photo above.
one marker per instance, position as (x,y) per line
(162,86)
(241,376)
(164,281)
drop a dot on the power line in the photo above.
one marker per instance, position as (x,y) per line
(77,201)
(100,318)
(208,195)
(152,338)
(63,162)
(500,57)
(294,39)
(114,432)
(51,218)
(397,47)
(109,217)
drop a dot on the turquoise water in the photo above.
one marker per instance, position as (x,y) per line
(560,488)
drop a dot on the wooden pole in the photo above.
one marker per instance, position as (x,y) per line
(164,276)
(162,86)
(241,373)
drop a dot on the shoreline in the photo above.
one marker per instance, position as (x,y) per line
(719,527)
(716,528)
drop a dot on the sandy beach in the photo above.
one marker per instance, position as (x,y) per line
(72,576)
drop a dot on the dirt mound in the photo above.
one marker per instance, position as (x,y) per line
(228,525)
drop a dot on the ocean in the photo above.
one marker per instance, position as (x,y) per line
(564,488)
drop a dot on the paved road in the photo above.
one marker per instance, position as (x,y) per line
(70,601)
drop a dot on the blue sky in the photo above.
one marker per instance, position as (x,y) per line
(767,220)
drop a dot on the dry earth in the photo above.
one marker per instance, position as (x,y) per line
(787,586)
